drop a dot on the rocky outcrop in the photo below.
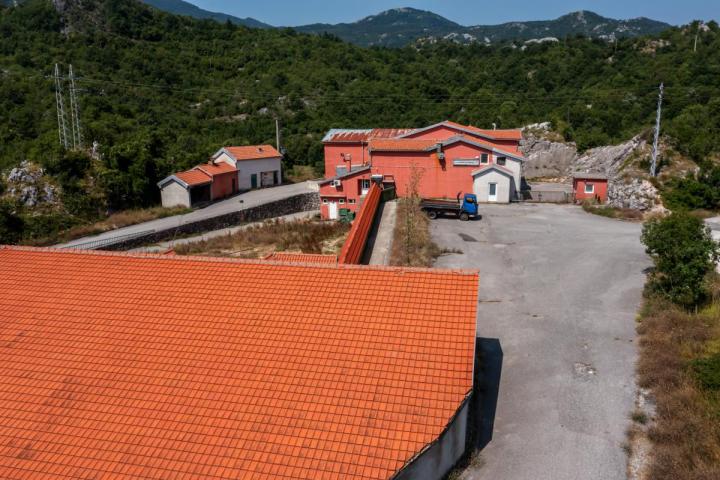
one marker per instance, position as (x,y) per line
(637,194)
(545,158)
(549,158)
(607,160)
(28,185)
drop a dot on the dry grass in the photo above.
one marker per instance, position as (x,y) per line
(306,236)
(117,220)
(685,432)
(612,212)
(412,245)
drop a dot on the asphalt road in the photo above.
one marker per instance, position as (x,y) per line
(560,289)
(249,199)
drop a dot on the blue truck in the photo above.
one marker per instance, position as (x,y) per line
(464,209)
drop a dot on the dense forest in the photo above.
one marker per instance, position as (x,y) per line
(159,93)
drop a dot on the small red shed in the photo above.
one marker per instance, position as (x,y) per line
(590,186)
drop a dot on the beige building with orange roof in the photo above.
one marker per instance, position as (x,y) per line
(229,171)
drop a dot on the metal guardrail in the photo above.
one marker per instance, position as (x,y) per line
(105,242)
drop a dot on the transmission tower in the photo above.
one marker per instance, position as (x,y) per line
(74,112)
(62,119)
(653,164)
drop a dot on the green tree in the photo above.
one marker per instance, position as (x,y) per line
(684,254)
(11,225)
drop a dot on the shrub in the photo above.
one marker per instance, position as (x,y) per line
(684,253)
(707,372)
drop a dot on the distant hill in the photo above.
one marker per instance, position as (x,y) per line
(402,26)
(179,7)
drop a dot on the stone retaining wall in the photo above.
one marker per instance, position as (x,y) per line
(298,203)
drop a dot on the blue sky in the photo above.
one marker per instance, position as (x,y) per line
(465,12)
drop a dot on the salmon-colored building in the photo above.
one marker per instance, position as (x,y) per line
(590,186)
(446,159)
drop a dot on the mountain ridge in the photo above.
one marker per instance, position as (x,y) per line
(403,26)
(399,27)
(180,7)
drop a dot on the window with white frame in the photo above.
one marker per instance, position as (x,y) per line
(364,186)
(484,158)
(325,201)
(501,161)
(342,201)
(589,188)
(351,201)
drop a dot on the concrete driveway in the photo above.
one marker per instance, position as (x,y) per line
(560,289)
(249,199)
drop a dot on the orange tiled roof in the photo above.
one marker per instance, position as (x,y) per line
(253,152)
(301,258)
(508,134)
(216,168)
(402,145)
(354,245)
(125,367)
(194,177)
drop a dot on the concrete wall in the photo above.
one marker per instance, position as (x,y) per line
(248,167)
(303,202)
(437,460)
(173,195)
(505,187)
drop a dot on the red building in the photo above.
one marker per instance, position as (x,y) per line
(447,158)
(590,186)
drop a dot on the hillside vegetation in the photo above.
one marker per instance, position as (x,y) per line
(160,92)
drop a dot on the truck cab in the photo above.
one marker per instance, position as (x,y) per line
(469,204)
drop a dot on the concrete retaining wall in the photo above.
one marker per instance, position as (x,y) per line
(437,460)
(298,203)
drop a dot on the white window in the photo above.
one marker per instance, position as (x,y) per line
(342,201)
(589,188)
(484,158)
(364,186)
(351,201)
(325,201)
(501,161)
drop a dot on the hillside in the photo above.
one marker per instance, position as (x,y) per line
(179,7)
(160,92)
(403,26)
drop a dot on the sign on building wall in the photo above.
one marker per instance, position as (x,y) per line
(466,162)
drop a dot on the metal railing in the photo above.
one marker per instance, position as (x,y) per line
(106,242)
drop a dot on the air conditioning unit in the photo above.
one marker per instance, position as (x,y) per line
(336,183)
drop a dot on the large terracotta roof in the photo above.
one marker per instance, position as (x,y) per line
(253,152)
(123,366)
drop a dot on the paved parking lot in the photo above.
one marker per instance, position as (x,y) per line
(560,289)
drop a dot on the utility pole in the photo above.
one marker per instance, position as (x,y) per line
(653,165)
(74,112)
(62,120)
(277,134)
